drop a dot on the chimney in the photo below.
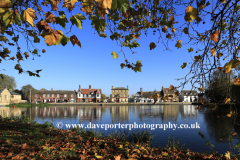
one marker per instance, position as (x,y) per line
(112,87)
(89,87)
(51,89)
(79,87)
(127,87)
(10,90)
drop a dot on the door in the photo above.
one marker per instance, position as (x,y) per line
(117,100)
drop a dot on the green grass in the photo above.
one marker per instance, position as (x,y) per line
(21,139)
(29,105)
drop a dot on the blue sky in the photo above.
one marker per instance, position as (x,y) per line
(67,67)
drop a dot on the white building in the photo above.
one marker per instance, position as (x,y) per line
(188,96)
(144,96)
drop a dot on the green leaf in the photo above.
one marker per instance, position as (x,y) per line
(224,42)
(114,4)
(184,65)
(122,65)
(35,51)
(15,39)
(7,18)
(121,5)
(114,54)
(77,20)
(190,49)
(99,24)
(62,20)
(17,67)
(62,38)
(36,39)
(17,19)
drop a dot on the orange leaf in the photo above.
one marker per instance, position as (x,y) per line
(54,5)
(197,58)
(219,55)
(236,81)
(213,36)
(51,38)
(171,87)
(234,134)
(50,18)
(220,68)
(226,100)
(213,51)
(12,58)
(43,50)
(75,40)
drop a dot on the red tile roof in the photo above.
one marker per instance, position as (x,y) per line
(89,91)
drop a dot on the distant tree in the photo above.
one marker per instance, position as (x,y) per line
(7,82)
(18,91)
(26,91)
(132,97)
(103,97)
(218,85)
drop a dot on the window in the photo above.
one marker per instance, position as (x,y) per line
(19,97)
(48,95)
(125,100)
(97,95)
(12,96)
(5,97)
(79,95)
(71,95)
(36,95)
(113,95)
(52,95)
(124,95)
(65,95)
(57,95)
(121,100)
(44,95)
(121,95)
(117,90)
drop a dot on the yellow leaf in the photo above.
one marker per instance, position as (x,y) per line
(184,65)
(69,4)
(28,15)
(97,156)
(231,64)
(200,89)
(219,55)
(5,4)
(236,81)
(226,100)
(213,36)
(213,51)
(51,38)
(191,14)
(164,29)
(178,44)
(114,54)
(121,146)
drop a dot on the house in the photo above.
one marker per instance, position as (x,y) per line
(120,94)
(5,96)
(145,96)
(172,97)
(188,96)
(16,97)
(88,95)
(44,95)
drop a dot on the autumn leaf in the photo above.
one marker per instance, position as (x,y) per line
(236,81)
(26,55)
(226,100)
(220,68)
(168,36)
(114,54)
(62,20)
(77,20)
(69,4)
(184,65)
(202,38)
(50,18)
(234,134)
(213,51)
(185,30)
(50,38)
(178,44)
(202,100)
(6,4)
(190,49)
(75,40)
(28,15)
(191,14)
(164,29)
(200,89)
(213,36)
(152,45)
(171,87)
(43,26)
(197,58)
(87,6)
(54,5)
(122,65)
(219,55)
(12,58)
(231,64)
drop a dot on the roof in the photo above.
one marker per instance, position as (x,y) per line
(89,91)
(188,92)
(167,91)
(55,92)
(119,88)
(1,90)
(148,94)
(14,93)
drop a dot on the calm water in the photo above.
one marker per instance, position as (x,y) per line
(211,126)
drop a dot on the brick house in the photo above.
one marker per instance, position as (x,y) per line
(54,96)
(88,95)
(172,97)
(120,94)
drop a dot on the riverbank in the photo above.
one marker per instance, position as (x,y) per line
(24,140)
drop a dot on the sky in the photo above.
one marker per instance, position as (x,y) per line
(67,67)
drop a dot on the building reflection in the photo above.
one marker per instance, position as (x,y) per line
(82,113)
(119,114)
(12,112)
(188,111)
(165,112)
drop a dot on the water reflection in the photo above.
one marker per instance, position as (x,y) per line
(212,127)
